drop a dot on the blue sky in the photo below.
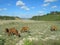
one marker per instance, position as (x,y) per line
(28,8)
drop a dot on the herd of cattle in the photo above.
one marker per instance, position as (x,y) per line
(13,31)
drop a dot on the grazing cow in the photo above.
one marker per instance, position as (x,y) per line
(53,28)
(24,29)
(12,31)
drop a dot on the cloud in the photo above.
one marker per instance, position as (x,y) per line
(50,0)
(25,8)
(46,4)
(3,9)
(22,5)
(54,6)
(41,12)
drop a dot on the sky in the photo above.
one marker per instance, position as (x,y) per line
(28,8)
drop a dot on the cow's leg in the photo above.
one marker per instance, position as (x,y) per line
(19,35)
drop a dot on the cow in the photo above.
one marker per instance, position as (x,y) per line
(53,28)
(24,29)
(12,31)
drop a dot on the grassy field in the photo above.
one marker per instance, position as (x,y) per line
(40,33)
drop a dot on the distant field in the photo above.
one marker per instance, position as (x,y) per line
(40,33)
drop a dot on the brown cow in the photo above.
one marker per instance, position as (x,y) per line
(53,28)
(25,29)
(12,31)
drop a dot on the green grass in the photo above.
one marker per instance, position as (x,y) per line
(38,29)
(52,16)
(2,41)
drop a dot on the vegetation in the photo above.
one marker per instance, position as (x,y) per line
(8,18)
(39,30)
(53,16)
(2,41)
(40,33)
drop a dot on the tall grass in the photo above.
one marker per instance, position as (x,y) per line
(38,29)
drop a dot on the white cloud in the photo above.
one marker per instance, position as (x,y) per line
(41,12)
(3,9)
(25,8)
(50,0)
(54,6)
(46,4)
(22,5)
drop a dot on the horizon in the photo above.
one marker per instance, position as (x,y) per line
(28,8)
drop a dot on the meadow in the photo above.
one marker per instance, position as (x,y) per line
(40,33)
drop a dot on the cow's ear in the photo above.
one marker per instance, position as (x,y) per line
(7,30)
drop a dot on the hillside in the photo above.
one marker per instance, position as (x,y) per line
(8,18)
(53,16)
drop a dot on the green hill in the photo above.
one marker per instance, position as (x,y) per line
(8,18)
(53,16)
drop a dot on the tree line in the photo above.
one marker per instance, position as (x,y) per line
(8,18)
(52,16)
